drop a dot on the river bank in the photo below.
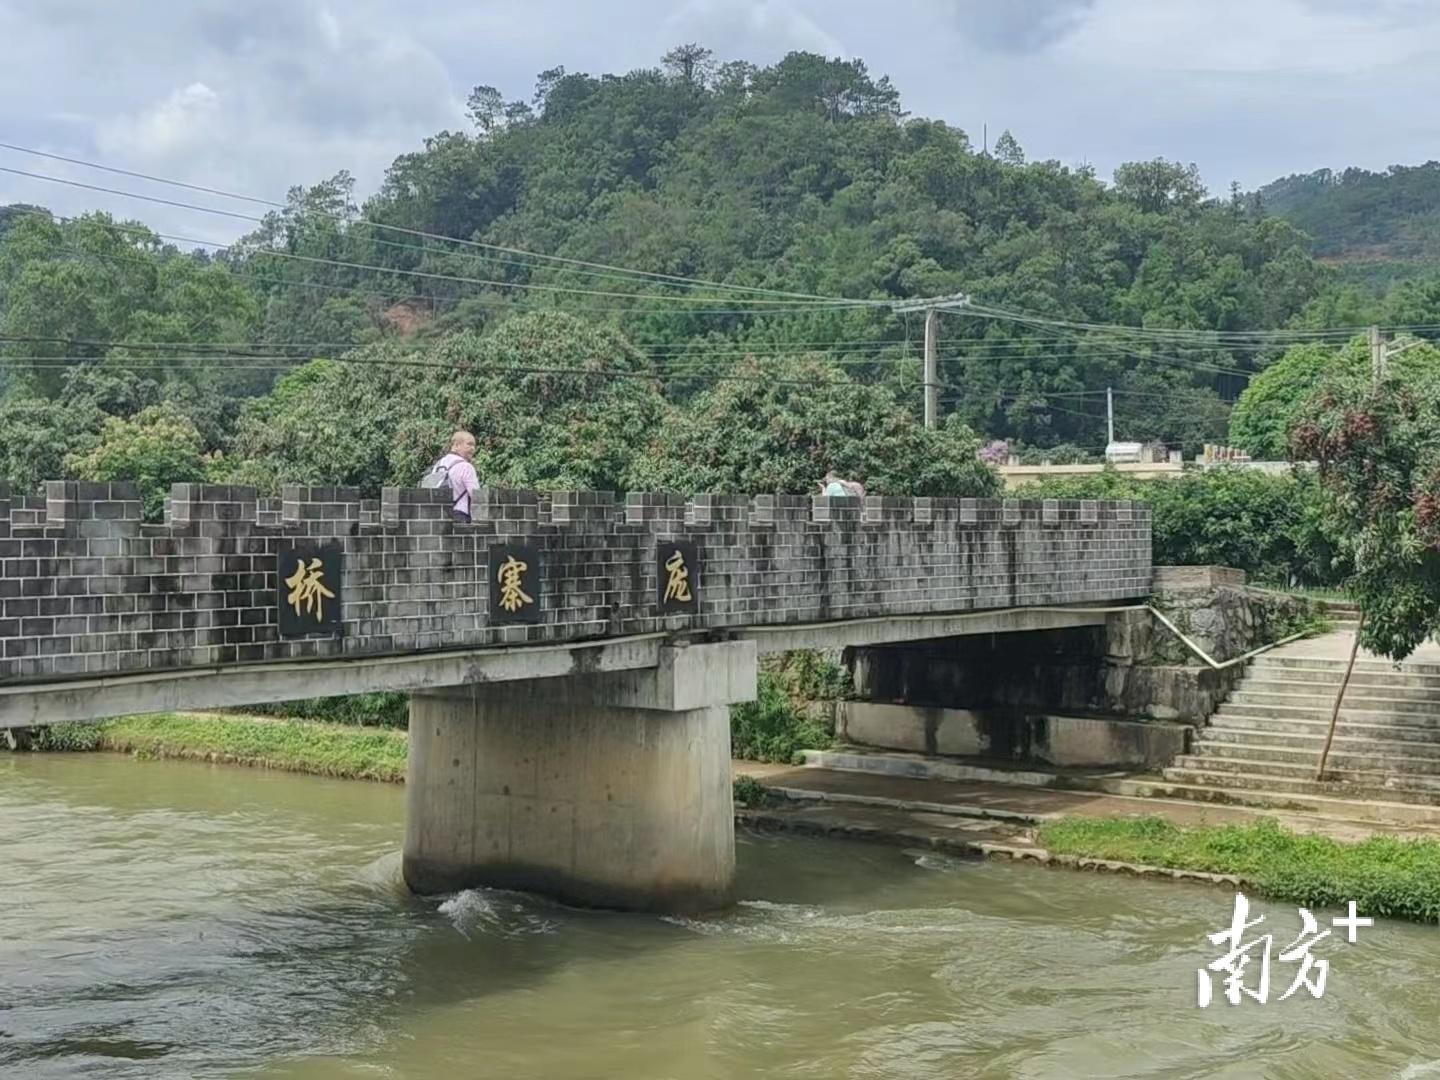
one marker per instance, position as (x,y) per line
(1305,860)
(305,746)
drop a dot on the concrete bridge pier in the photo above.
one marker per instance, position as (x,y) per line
(603,790)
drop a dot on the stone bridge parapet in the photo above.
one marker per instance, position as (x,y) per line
(87,588)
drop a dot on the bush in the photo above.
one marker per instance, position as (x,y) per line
(367,710)
(750,792)
(66,737)
(1064,454)
(810,675)
(771,728)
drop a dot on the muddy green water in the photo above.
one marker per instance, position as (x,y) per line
(180,920)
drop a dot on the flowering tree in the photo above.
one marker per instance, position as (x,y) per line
(995,452)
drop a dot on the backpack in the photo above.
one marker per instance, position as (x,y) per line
(438,476)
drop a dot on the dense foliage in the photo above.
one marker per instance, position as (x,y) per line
(339,342)
(781,721)
(805,177)
(382,416)
(379,709)
(1279,398)
(782,433)
(1392,215)
(1274,527)
(157,447)
(1378,445)
(772,728)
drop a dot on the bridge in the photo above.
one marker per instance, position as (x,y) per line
(571,656)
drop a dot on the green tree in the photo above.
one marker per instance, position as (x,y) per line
(1280,397)
(779,428)
(157,447)
(70,290)
(1159,186)
(1274,527)
(554,402)
(39,434)
(1275,399)
(1379,452)
(690,62)
(486,107)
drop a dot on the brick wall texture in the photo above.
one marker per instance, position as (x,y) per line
(86,588)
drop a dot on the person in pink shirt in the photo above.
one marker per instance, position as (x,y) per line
(455,471)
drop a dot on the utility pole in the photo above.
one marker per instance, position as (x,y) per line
(1377,355)
(1110,414)
(932,374)
(932,306)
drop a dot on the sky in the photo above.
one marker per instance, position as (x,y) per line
(255,96)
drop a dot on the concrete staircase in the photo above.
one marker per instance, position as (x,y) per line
(1268,735)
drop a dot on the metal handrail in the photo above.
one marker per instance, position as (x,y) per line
(1219,665)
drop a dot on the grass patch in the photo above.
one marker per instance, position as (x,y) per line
(295,745)
(1384,875)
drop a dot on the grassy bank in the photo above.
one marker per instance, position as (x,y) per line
(1383,875)
(295,745)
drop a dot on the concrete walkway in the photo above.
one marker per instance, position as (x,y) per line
(1010,810)
(1337,645)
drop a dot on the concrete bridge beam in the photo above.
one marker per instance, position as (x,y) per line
(604,790)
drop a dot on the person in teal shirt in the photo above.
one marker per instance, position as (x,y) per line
(833,486)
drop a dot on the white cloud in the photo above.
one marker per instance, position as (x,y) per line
(1278,38)
(289,92)
(1018,27)
(185,116)
(760,28)
(259,96)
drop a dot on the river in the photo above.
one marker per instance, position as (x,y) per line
(169,919)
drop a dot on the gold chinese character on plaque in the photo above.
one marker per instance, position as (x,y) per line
(309,592)
(515,583)
(677,584)
(677,575)
(511,577)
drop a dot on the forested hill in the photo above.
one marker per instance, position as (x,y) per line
(805,177)
(1358,216)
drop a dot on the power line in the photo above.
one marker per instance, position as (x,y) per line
(168,362)
(498,283)
(1223,338)
(980,349)
(613,270)
(1130,351)
(269,347)
(631,310)
(1207,336)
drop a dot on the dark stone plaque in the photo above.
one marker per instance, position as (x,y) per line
(677,577)
(516,583)
(308,596)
